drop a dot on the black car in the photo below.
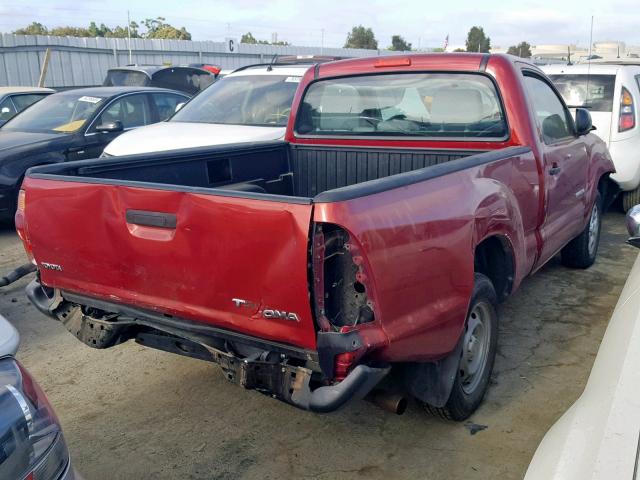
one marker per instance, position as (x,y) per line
(74,125)
(187,79)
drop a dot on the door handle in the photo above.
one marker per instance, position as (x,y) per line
(151,219)
(555,169)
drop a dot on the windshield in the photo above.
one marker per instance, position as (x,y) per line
(588,91)
(419,105)
(59,113)
(262,100)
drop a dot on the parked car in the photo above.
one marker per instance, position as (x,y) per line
(13,100)
(611,93)
(412,195)
(189,80)
(32,445)
(251,104)
(73,125)
(597,438)
(215,69)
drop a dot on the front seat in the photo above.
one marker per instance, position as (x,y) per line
(456,108)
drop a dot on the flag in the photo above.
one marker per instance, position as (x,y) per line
(446,42)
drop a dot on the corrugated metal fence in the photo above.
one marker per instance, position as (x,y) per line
(79,62)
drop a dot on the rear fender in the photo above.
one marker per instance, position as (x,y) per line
(498,216)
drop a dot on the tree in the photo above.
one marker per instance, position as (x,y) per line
(361,37)
(458,50)
(477,41)
(121,32)
(248,38)
(34,29)
(157,28)
(523,49)
(399,44)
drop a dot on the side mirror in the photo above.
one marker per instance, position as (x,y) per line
(633,226)
(5,110)
(110,127)
(179,106)
(583,121)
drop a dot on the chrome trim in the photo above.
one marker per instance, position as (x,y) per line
(24,406)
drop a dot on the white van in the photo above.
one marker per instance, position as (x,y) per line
(611,92)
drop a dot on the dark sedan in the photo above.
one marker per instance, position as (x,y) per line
(74,125)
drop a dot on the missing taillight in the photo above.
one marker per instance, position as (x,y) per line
(340,281)
(627,118)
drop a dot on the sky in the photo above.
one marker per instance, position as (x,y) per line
(424,24)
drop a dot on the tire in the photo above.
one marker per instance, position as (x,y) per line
(630,199)
(469,389)
(581,252)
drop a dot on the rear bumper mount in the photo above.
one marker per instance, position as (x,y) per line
(267,371)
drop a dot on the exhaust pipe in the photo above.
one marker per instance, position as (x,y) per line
(17,274)
(389,401)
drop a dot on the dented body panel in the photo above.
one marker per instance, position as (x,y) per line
(184,271)
(419,244)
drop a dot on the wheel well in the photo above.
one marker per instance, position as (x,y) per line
(493,258)
(608,190)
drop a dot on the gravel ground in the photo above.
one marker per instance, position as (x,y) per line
(131,412)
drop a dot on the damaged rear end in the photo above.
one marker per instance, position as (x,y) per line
(281,303)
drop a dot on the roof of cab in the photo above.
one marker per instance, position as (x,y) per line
(416,62)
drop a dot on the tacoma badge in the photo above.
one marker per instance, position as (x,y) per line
(268,313)
(51,266)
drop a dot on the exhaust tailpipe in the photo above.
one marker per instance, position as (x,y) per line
(389,401)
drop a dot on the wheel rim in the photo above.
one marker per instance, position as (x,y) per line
(594,224)
(475,349)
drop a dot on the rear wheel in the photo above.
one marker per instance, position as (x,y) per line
(581,252)
(480,339)
(630,199)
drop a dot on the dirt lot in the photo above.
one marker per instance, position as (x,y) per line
(130,412)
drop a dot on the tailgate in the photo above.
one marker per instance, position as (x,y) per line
(234,263)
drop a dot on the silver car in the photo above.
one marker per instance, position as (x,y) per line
(31,442)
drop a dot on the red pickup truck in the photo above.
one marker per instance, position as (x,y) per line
(410,196)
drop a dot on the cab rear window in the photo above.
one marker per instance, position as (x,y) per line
(594,92)
(410,104)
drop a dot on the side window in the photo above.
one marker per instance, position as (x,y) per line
(165,104)
(23,101)
(7,110)
(553,118)
(132,111)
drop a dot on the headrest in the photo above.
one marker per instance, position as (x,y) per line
(456,105)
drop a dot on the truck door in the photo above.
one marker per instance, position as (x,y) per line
(565,162)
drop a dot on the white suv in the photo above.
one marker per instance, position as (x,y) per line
(251,104)
(611,92)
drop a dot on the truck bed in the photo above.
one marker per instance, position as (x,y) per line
(276,169)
